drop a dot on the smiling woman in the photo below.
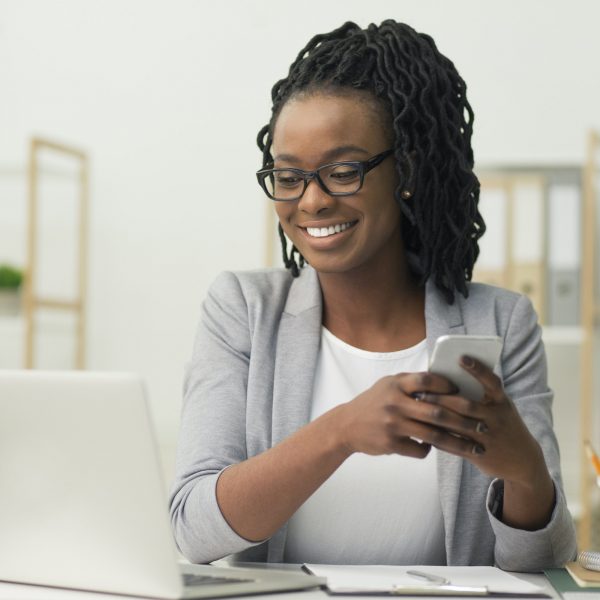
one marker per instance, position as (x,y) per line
(311,430)
(312,131)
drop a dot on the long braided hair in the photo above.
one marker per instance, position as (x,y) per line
(425,101)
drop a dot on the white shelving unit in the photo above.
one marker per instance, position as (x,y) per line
(570,348)
(50,322)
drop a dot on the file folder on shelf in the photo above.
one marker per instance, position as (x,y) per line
(528,225)
(491,266)
(564,253)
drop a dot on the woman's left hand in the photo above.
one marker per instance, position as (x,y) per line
(502,446)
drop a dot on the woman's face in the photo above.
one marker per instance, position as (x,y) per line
(315,130)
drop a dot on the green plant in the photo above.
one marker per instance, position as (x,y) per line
(10,277)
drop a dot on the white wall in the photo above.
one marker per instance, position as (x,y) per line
(168,97)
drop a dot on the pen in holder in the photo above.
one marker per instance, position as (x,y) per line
(594,459)
(595,508)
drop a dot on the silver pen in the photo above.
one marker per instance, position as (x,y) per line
(440,586)
(430,577)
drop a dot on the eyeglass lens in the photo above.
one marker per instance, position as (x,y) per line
(285,184)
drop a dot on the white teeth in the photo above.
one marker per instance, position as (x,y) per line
(327,231)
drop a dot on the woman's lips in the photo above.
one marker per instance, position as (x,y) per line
(328,236)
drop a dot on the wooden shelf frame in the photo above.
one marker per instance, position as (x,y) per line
(31,299)
(589,309)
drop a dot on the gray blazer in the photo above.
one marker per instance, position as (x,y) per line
(249,384)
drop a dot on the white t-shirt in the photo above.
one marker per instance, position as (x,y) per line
(373,509)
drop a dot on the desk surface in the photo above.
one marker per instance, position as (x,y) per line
(15,591)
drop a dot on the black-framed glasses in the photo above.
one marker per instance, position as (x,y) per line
(336,179)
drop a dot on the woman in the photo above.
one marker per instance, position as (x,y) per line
(311,430)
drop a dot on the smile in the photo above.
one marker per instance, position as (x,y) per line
(327,231)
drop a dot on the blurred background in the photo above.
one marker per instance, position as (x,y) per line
(148,111)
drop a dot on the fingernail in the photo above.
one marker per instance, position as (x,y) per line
(477,449)
(419,396)
(431,398)
(481,427)
(467,361)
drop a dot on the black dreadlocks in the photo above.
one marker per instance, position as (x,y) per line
(422,92)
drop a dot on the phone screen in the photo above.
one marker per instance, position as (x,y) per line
(447,352)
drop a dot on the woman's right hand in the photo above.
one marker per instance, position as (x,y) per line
(388,418)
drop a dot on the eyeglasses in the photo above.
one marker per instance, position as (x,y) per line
(336,179)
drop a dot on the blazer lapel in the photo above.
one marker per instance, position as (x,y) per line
(296,355)
(442,318)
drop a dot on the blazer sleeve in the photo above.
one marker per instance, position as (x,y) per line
(525,382)
(213,424)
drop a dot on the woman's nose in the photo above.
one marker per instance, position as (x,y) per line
(315,199)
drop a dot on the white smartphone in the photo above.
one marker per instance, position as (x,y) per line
(445,360)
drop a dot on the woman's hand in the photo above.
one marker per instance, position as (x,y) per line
(500,443)
(388,418)
(501,446)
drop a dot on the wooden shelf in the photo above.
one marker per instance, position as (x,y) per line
(32,300)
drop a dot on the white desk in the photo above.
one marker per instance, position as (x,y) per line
(12,591)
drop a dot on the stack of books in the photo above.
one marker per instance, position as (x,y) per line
(580,576)
(586,571)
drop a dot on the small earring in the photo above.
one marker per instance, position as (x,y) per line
(406,194)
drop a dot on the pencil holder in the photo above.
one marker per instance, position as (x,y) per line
(595,520)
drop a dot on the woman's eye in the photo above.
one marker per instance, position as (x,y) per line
(287,179)
(345,174)
(342,174)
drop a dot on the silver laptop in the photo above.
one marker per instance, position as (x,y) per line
(82,502)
